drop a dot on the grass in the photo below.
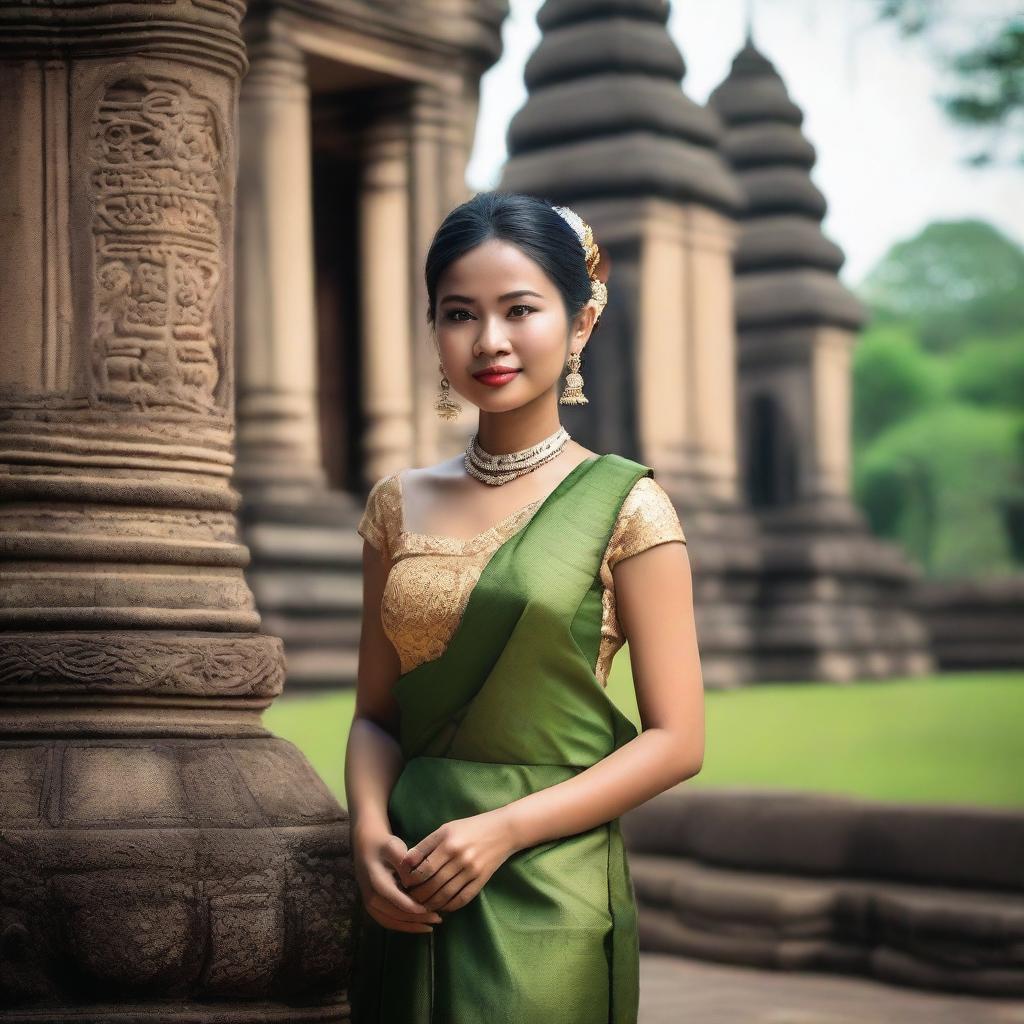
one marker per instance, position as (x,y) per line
(948,738)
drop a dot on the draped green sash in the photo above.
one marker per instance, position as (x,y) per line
(511,707)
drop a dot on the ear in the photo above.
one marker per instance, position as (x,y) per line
(583,325)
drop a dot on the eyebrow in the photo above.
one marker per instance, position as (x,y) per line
(501,298)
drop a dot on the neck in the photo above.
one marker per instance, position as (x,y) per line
(500,433)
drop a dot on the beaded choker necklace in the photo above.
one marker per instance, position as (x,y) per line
(500,469)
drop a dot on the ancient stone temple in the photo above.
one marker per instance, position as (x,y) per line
(608,130)
(833,601)
(356,123)
(162,856)
(723,358)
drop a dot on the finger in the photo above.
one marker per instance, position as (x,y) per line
(385,886)
(422,850)
(398,925)
(383,906)
(465,895)
(393,850)
(381,901)
(454,889)
(426,892)
(425,871)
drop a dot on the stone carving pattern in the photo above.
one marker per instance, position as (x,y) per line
(156,160)
(246,935)
(139,663)
(325,918)
(146,937)
(181,930)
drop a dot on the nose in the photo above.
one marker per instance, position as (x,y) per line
(492,337)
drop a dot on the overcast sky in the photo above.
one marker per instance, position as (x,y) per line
(888,158)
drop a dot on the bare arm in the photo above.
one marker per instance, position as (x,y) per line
(654,598)
(373,762)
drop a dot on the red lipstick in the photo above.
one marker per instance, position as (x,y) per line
(495,376)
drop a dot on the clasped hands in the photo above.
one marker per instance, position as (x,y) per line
(408,889)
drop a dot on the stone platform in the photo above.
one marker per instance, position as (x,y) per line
(676,989)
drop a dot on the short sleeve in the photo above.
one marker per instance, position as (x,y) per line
(647,517)
(379,519)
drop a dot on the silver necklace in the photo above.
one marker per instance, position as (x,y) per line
(500,469)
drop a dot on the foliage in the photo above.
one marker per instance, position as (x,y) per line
(893,378)
(989,72)
(989,371)
(952,280)
(938,422)
(941,482)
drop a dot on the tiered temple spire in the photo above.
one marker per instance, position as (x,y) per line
(608,130)
(835,599)
(786,267)
(604,82)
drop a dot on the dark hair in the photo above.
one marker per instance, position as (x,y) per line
(526,221)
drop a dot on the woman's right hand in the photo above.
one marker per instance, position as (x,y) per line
(376,858)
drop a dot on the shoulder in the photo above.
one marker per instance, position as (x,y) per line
(646,517)
(646,496)
(381,518)
(385,489)
(436,475)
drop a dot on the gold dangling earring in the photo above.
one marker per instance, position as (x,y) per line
(444,406)
(573,393)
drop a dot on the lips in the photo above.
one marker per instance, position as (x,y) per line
(497,370)
(496,375)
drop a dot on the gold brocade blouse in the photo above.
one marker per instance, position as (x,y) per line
(429,584)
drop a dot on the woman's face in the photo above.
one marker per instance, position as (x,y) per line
(495,306)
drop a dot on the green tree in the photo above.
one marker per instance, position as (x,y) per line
(893,378)
(954,279)
(989,73)
(989,372)
(938,422)
(943,483)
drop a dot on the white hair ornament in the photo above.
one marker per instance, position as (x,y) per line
(591,253)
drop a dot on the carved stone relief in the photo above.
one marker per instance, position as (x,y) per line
(156,158)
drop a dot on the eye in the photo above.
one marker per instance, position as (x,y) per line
(452,313)
(530,308)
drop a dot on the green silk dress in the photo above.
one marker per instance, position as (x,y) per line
(513,706)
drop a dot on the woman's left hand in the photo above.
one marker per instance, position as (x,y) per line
(447,868)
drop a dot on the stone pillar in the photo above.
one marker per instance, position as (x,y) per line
(710,375)
(670,263)
(831,376)
(388,361)
(278,422)
(428,195)
(663,341)
(461,110)
(159,849)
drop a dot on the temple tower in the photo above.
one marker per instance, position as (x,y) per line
(162,856)
(607,129)
(834,601)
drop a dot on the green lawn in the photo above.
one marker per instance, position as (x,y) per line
(955,737)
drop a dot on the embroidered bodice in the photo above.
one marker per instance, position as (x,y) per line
(432,576)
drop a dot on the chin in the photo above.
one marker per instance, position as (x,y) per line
(484,394)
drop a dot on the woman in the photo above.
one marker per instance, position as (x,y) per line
(487,767)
